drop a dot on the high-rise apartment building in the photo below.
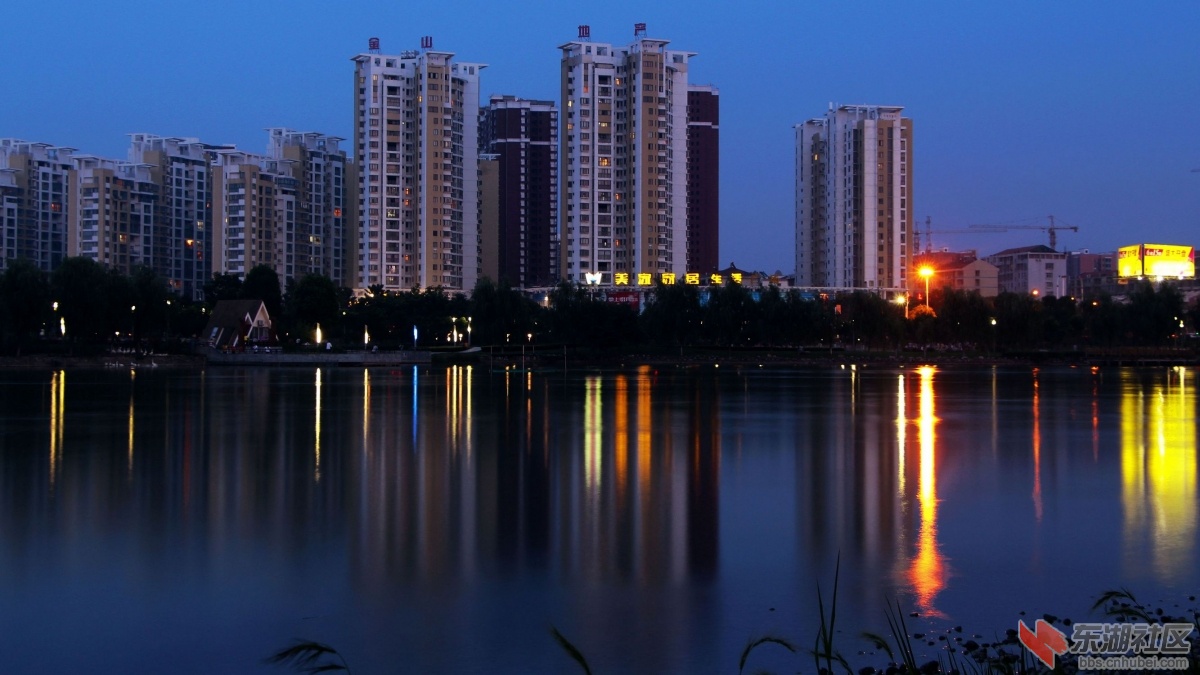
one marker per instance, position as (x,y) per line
(521,136)
(41,174)
(114,216)
(10,204)
(703,179)
(416,147)
(623,134)
(180,167)
(254,206)
(318,244)
(854,199)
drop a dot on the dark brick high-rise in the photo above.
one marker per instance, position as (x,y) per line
(703,186)
(523,137)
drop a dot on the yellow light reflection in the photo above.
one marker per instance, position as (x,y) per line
(366,419)
(928,571)
(467,409)
(58,395)
(317,432)
(1158,471)
(129,459)
(593,426)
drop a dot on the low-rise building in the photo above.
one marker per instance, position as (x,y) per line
(1039,270)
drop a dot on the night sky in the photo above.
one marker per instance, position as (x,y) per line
(1021,109)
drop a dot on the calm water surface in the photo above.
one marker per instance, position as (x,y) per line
(440,519)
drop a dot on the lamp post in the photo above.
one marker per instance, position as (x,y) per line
(925,273)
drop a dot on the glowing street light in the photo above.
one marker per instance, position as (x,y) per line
(925,273)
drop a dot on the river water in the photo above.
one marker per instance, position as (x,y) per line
(442,519)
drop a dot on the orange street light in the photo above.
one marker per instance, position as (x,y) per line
(925,273)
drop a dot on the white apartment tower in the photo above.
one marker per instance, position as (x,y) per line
(318,245)
(623,134)
(854,198)
(416,147)
(40,174)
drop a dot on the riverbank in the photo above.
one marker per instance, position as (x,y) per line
(101,361)
(555,358)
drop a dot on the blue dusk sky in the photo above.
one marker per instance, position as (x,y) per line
(1083,110)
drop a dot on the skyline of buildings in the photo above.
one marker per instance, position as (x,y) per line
(618,185)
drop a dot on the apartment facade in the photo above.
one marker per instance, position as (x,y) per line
(180,169)
(114,219)
(416,147)
(255,206)
(623,140)
(854,222)
(521,137)
(318,242)
(10,204)
(40,176)
(703,179)
(1039,270)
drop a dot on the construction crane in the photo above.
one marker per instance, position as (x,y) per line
(929,232)
(1051,228)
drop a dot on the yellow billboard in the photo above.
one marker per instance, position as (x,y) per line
(1129,261)
(1166,260)
(1157,260)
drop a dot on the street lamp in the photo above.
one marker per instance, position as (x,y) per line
(925,273)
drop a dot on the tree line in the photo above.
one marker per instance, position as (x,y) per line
(84,307)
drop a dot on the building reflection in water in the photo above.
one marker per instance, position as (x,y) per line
(928,570)
(1158,471)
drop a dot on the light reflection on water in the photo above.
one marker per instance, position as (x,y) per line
(441,518)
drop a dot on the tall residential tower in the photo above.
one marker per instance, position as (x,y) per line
(39,174)
(623,134)
(416,145)
(704,179)
(522,137)
(854,198)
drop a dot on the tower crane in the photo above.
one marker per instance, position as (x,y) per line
(1052,229)
(929,232)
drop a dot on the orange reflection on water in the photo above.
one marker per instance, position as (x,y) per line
(928,570)
(644,424)
(1037,451)
(901,436)
(1158,472)
(621,443)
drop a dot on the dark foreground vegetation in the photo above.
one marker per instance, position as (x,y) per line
(84,308)
(896,651)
